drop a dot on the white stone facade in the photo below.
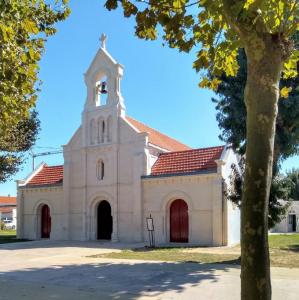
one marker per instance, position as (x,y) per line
(109,159)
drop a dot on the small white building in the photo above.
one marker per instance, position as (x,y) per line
(117,172)
(290,223)
(8,209)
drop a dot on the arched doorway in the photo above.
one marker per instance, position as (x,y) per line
(45,222)
(179,221)
(104,220)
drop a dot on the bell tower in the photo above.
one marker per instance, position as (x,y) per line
(102,80)
(104,103)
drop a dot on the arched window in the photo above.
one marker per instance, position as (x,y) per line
(100,170)
(109,129)
(103,131)
(99,132)
(92,131)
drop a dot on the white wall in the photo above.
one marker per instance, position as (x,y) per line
(125,161)
(200,192)
(14,216)
(283,226)
(232,211)
(30,221)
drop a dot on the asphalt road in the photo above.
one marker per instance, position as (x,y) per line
(61,270)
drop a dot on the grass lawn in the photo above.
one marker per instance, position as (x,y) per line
(172,254)
(284,252)
(9,236)
(284,241)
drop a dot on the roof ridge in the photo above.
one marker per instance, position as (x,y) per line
(55,166)
(159,133)
(154,129)
(193,149)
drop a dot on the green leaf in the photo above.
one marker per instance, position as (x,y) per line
(24,26)
(30,26)
(129,8)
(284,92)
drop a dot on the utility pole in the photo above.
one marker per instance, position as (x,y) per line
(42,154)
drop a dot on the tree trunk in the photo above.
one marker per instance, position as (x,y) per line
(261,97)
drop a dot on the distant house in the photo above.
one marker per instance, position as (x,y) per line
(8,207)
(290,222)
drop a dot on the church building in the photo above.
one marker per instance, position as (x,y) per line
(118,172)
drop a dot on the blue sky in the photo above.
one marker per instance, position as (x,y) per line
(159,85)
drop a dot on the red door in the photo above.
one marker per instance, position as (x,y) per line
(179,221)
(46,222)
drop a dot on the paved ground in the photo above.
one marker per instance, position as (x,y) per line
(60,270)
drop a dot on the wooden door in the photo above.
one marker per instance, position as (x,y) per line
(45,222)
(179,221)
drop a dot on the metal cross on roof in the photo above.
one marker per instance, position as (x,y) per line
(103,40)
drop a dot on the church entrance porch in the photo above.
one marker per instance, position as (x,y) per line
(45,222)
(179,221)
(104,221)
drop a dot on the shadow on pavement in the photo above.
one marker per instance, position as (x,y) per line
(294,248)
(123,280)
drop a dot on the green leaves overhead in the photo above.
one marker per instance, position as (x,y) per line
(15,142)
(284,92)
(290,66)
(111,4)
(231,117)
(210,25)
(24,27)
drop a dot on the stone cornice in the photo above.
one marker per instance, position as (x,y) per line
(179,178)
(104,147)
(42,188)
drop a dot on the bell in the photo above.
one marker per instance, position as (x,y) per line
(103,88)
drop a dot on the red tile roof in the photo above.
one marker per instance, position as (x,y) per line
(157,138)
(8,200)
(6,210)
(47,176)
(187,161)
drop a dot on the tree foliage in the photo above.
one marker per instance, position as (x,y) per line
(13,145)
(219,28)
(292,180)
(231,112)
(281,188)
(231,117)
(24,27)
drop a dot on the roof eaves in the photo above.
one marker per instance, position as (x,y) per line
(200,172)
(28,186)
